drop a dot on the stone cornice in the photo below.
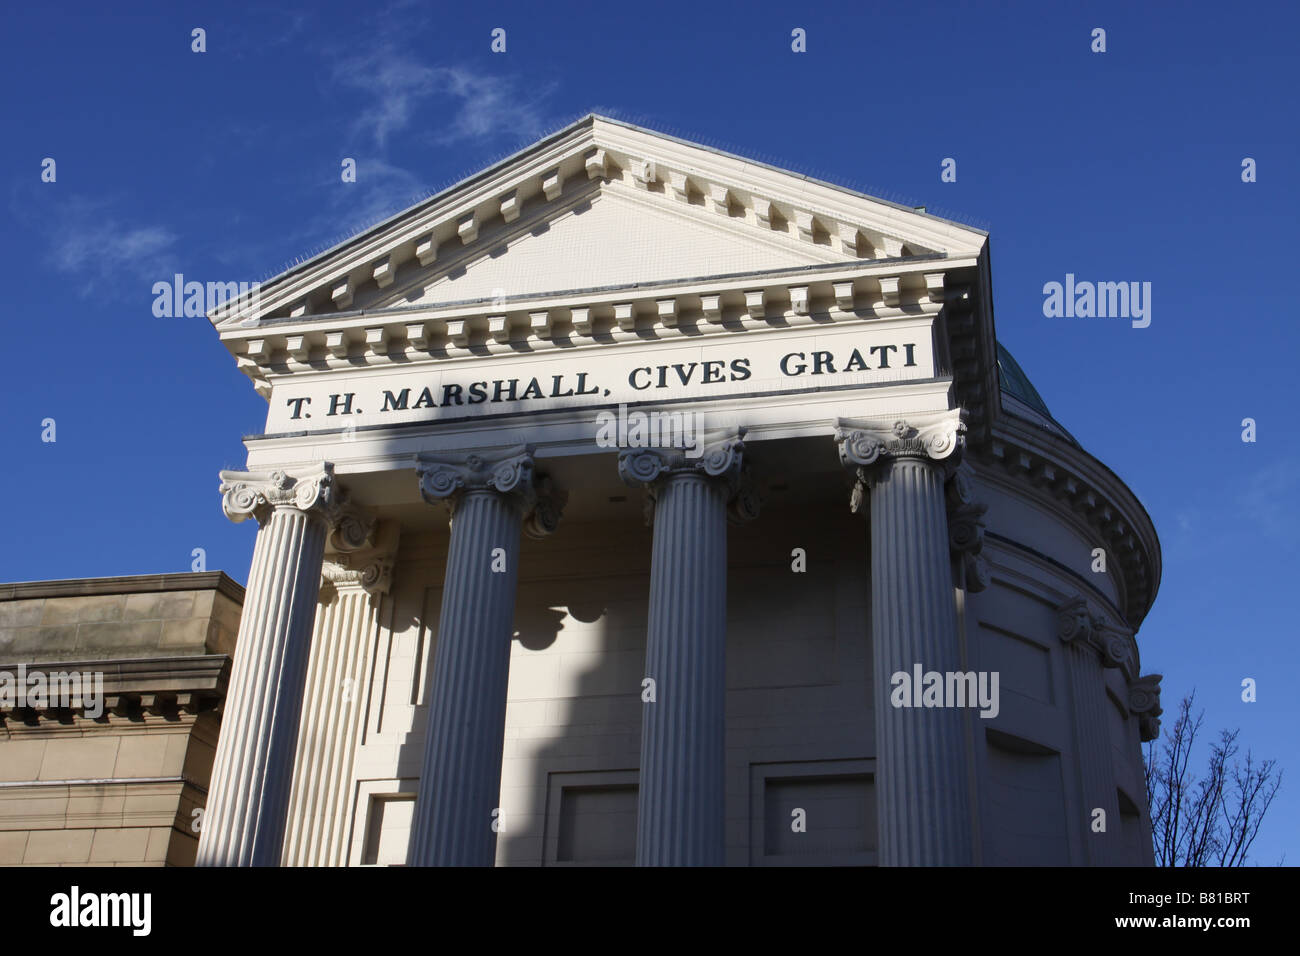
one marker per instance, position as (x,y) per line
(609,152)
(127,584)
(967,326)
(1070,477)
(135,691)
(707,306)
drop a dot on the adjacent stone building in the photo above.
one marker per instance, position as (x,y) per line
(110,690)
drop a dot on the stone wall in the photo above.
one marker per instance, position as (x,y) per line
(113,777)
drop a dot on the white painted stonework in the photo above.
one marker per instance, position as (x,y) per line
(647,656)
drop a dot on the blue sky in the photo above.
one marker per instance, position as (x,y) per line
(1123,165)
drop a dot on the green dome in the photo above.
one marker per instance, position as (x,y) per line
(1015,382)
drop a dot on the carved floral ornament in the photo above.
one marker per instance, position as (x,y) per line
(1083,626)
(722,458)
(446,478)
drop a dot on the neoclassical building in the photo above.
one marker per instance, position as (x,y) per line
(634,502)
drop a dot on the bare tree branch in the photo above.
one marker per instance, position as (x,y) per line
(1211,820)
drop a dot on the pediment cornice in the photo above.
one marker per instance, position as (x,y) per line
(597,153)
(686,309)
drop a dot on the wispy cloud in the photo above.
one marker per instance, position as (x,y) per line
(103,249)
(399,87)
(380,190)
(1265,500)
(491,105)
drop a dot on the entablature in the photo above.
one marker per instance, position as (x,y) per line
(685,310)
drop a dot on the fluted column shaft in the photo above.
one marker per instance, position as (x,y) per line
(329,733)
(1093,745)
(681,805)
(921,781)
(460,782)
(922,784)
(492,497)
(248,798)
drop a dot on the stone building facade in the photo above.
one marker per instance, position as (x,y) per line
(110,690)
(761,550)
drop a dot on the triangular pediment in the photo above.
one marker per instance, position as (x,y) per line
(612,237)
(598,205)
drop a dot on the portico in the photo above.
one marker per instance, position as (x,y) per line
(564,642)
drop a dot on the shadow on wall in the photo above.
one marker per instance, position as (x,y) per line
(573,702)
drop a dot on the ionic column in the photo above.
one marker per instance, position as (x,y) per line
(681,804)
(922,785)
(491,498)
(354,583)
(248,798)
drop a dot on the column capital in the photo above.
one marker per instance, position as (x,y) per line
(445,478)
(723,459)
(1144,700)
(255,494)
(370,567)
(939,437)
(867,445)
(353,527)
(1078,622)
